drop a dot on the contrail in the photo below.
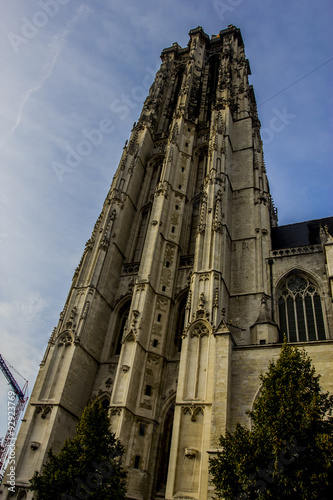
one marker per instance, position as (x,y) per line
(57,44)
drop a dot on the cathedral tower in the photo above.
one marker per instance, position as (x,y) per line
(176,277)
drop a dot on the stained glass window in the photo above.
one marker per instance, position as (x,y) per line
(300,310)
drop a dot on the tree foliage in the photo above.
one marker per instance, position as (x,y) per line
(88,465)
(288,453)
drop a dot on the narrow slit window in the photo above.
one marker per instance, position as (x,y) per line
(142,429)
(148,390)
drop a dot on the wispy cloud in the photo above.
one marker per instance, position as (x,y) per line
(55,47)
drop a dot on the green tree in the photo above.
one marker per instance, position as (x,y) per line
(288,453)
(88,466)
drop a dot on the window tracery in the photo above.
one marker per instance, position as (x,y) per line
(300,310)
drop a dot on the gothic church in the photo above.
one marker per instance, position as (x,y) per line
(186,286)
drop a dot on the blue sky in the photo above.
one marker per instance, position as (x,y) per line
(70,67)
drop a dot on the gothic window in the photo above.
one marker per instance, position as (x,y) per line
(300,310)
(120,325)
(141,235)
(201,171)
(180,322)
(174,97)
(142,429)
(212,84)
(164,450)
(105,403)
(197,360)
(194,226)
(154,180)
(176,88)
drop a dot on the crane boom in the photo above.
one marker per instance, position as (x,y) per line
(7,373)
(19,407)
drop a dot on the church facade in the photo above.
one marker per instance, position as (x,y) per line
(186,286)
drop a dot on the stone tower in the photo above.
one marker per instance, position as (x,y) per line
(171,315)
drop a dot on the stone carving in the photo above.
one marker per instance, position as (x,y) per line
(43,410)
(70,322)
(216,297)
(53,335)
(162,189)
(133,145)
(297,250)
(175,133)
(132,268)
(130,337)
(186,261)
(190,452)
(215,142)
(116,197)
(217,223)
(104,244)
(157,330)
(131,285)
(201,303)
(189,300)
(199,330)
(169,253)
(162,303)
(154,359)
(204,277)
(65,339)
(99,220)
(63,312)
(115,411)
(220,124)
(132,166)
(325,236)
(90,244)
(108,383)
(202,220)
(193,410)
(223,146)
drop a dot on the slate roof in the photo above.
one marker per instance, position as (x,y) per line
(300,234)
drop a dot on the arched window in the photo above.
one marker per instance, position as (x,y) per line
(212,84)
(164,451)
(141,235)
(201,171)
(300,310)
(180,322)
(170,109)
(154,180)
(105,403)
(194,226)
(120,325)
